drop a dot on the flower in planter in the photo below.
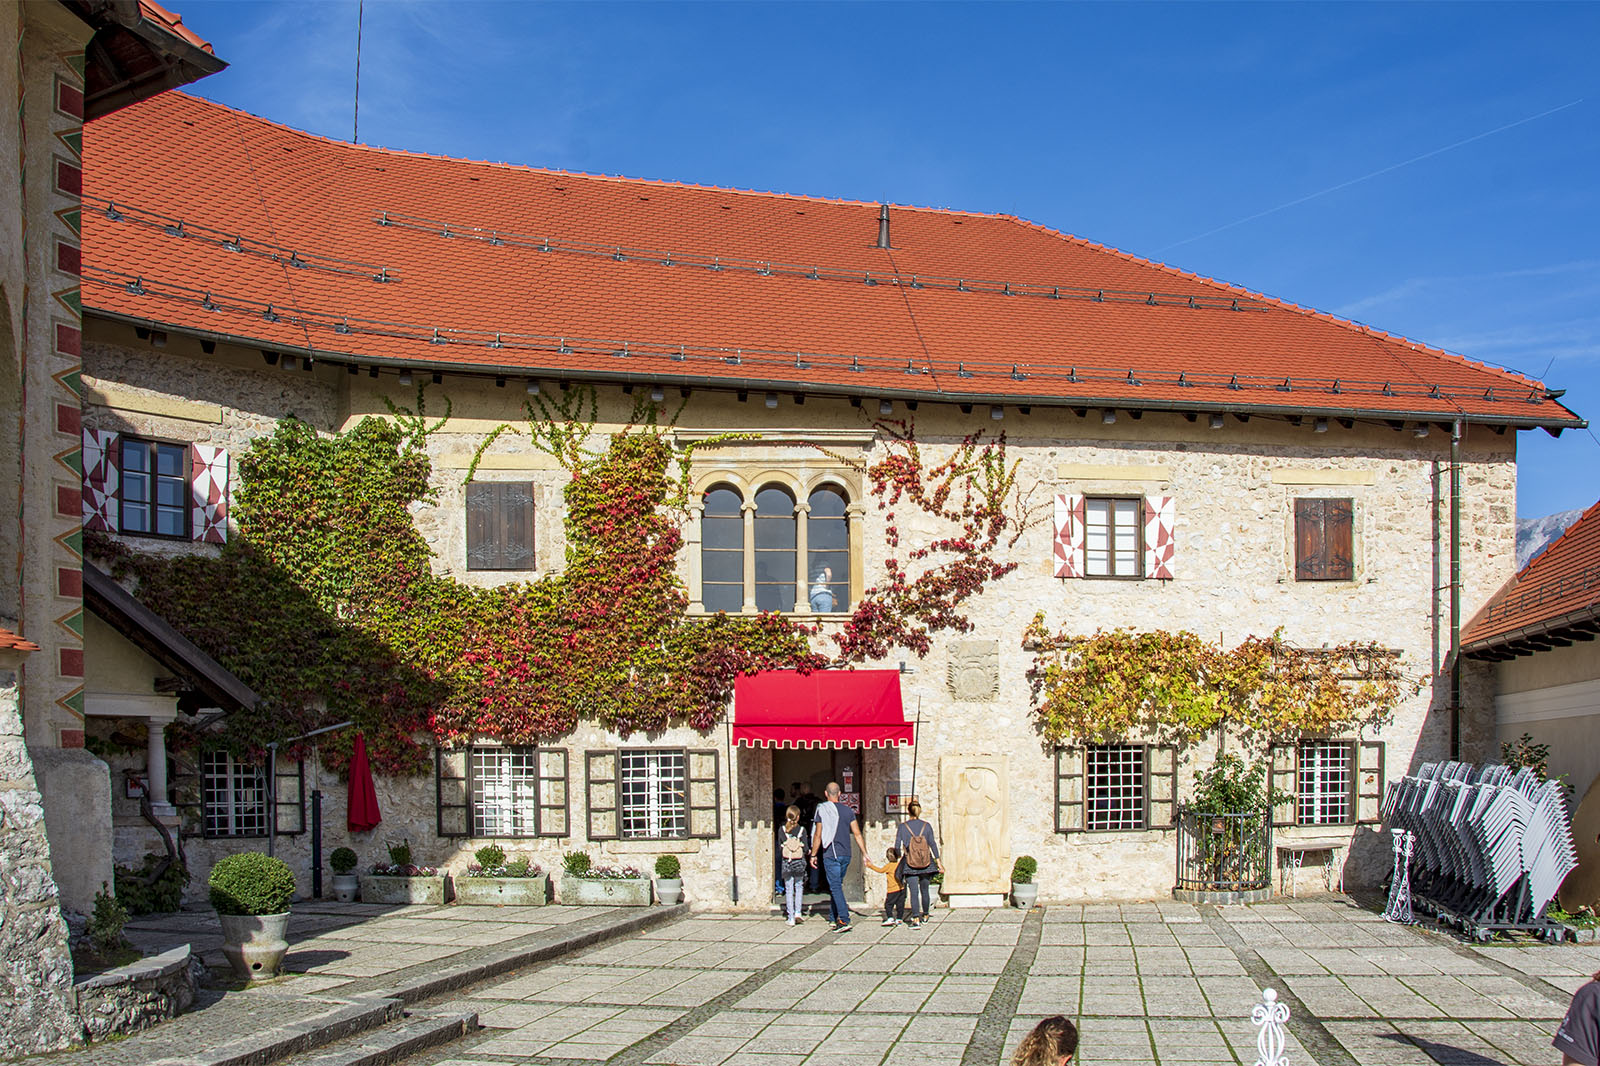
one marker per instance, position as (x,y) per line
(492,862)
(400,864)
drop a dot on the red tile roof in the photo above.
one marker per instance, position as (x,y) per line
(9,641)
(522,271)
(1559,589)
(173,23)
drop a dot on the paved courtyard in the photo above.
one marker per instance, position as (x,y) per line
(1148,983)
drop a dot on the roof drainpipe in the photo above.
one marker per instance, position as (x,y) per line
(883,225)
(1455,590)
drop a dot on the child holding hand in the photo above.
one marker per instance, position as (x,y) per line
(894,897)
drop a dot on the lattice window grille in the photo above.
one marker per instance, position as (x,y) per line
(1325,783)
(1114,787)
(653,793)
(505,791)
(235,796)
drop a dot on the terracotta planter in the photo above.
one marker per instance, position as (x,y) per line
(669,890)
(345,886)
(503,891)
(380,888)
(254,943)
(591,892)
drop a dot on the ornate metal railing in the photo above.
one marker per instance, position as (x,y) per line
(1224,851)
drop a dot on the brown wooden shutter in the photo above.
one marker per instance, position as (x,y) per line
(500,525)
(600,794)
(1368,782)
(1324,539)
(555,815)
(452,812)
(705,793)
(1069,790)
(1160,786)
(1283,775)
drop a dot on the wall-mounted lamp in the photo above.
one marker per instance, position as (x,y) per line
(657,394)
(1421,430)
(1108,416)
(533,387)
(286,361)
(405,377)
(885,407)
(997,412)
(1216,421)
(438,378)
(772,401)
(1320,426)
(158,337)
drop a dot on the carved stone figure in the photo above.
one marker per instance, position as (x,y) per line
(975,823)
(974,670)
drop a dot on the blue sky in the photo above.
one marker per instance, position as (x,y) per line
(1429,169)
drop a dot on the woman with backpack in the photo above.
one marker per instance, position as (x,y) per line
(793,846)
(920,856)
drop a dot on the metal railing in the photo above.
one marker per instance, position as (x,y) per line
(1224,851)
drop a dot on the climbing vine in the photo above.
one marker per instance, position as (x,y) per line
(1175,686)
(325,602)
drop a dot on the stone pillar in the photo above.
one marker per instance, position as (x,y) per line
(749,509)
(155,777)
(802,557)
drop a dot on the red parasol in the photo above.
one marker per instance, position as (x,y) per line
(362,805)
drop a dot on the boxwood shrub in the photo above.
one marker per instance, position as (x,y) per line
(251,883)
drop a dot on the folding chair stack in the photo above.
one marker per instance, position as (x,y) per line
(1492,845)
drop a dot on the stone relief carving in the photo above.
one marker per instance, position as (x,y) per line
(974,670)
(975,823)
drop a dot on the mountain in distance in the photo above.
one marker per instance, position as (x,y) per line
(1534,535)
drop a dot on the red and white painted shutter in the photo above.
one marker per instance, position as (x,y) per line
(1069,535)
(1160,539)
(100,480)
(208,493)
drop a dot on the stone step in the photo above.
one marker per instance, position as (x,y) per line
(280,1042)
(392,1043)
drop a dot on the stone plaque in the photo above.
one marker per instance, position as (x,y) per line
(975,823)
(975,670)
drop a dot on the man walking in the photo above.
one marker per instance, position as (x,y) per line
(830,839)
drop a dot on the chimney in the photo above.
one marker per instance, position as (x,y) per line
(883,226)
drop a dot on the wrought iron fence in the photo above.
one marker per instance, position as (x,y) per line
(1224,851)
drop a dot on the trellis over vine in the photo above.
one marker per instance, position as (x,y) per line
(1116,684)
(326,604)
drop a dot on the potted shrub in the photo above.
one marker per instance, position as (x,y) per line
(345,883)
(1023,891)
(251,893)
(585,884)
(669,886)
(494,879)
(401,881)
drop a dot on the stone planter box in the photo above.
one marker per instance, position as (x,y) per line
(587,892)
(506,891)
(377,888)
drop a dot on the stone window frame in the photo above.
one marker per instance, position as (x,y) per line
(748,478)
(1159,785)
(1367,776)
(151,445)
(455,792)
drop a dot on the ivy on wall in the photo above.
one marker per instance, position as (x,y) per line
(326,605)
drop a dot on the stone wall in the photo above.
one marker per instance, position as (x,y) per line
(1234,490)
(138,995)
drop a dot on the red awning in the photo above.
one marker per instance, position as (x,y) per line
(824,709)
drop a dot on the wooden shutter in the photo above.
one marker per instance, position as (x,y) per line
(1069,535)
(1324,547)
(452,793)
(1283,775)
(208,493)
(1160,537)
(101,474)
(1069,790)
(600,793)
(555,813)
(1160,786)
(500,525)
(705,793)
(289,797)
(1367,782)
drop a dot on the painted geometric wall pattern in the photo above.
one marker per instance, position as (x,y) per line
(1069,538)
(1160,540)
(100,480)
(209,493)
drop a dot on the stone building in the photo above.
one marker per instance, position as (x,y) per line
(1202,458)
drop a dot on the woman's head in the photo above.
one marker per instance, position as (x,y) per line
(914,809)
(791,817)
(1051,1043)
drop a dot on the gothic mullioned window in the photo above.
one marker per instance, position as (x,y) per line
(768,553)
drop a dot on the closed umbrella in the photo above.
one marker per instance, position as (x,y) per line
(362,805)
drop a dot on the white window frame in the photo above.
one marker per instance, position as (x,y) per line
(1109,530)
(1324,787)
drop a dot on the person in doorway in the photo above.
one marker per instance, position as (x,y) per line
(835,825)
(793,843)
(779,807)
(1578,1037)
(894,893)
(915,842)
(1053,1042)
(808,803)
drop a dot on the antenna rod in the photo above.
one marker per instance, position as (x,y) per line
(355,124)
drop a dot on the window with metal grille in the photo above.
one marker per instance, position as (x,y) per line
(153,488)
(1114,787)
(505,792)
(233,796)
(1325,785)
(1113,529)
(653,790)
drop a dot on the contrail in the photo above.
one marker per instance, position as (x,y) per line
(1368,177)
